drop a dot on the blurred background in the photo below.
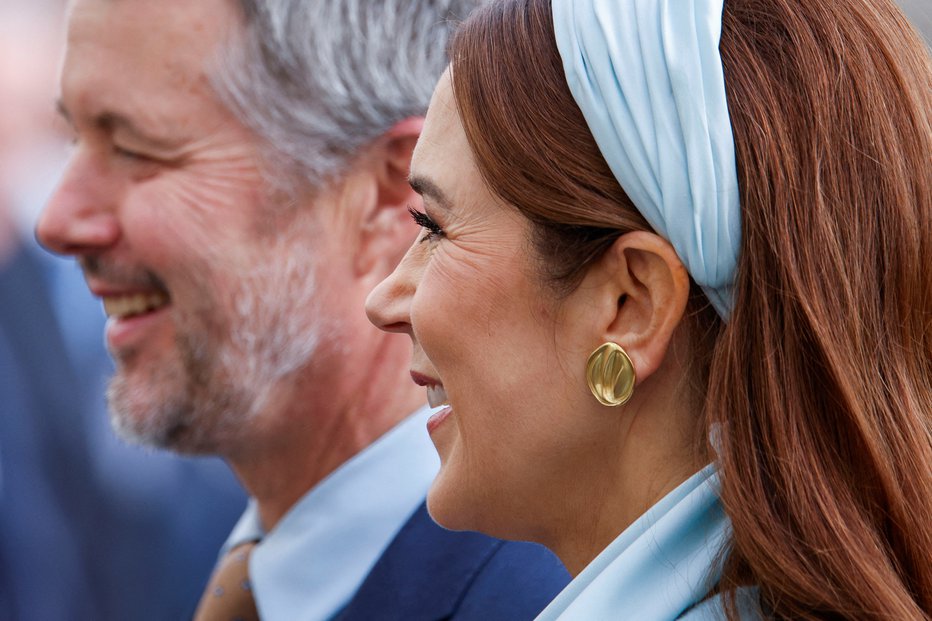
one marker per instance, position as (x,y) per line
(920,13)
(90,528)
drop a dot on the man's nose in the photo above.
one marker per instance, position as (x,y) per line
(389,304)
(80,218)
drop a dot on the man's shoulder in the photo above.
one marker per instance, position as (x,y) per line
(517,582)
(428,573)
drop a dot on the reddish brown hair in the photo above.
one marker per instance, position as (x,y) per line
(821,382)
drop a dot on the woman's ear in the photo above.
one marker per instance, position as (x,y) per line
(641,289)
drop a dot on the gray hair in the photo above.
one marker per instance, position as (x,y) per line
(319,80)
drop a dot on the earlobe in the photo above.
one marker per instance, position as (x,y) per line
(649,287)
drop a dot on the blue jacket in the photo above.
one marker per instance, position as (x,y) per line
(432,574)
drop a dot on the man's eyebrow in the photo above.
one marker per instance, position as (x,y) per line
(426,187)
(112,121)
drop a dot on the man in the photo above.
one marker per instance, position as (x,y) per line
(237,187)
(90,527)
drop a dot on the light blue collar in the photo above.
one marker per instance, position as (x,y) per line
(659,567)
(310,565)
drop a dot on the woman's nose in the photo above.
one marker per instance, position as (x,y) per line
(389,304)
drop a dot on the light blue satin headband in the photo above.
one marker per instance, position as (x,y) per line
(648,78)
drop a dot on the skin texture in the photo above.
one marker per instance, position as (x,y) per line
(261,356)
(527,452)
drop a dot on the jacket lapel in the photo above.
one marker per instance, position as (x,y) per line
(422,575)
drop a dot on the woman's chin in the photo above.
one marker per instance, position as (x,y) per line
(438,505)
(449,506)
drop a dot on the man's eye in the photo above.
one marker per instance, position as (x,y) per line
(424,221)
(129,155)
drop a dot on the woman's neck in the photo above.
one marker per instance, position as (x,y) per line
(642,455)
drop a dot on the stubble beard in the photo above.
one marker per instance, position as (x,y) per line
(231,355)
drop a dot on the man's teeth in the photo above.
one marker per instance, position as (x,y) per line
(437,396)
(120,306)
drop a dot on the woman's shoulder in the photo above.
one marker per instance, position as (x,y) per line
(713,609)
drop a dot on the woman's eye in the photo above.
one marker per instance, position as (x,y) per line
(426,222)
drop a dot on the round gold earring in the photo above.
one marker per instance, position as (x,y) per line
(610,374)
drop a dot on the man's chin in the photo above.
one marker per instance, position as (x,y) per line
(142,431)
(141,418)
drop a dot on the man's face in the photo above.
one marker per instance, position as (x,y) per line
(210,291)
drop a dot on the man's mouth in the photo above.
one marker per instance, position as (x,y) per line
(131,305)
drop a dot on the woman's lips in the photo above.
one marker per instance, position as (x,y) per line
(436,397)
(437,419)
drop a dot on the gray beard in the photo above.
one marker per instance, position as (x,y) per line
(226,376)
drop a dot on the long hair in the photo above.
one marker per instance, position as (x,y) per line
(820,384)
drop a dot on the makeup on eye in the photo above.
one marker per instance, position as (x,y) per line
(426,222)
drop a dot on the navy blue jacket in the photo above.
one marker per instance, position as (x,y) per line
(431,574)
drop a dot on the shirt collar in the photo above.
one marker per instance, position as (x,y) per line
(660,566)
(313,561)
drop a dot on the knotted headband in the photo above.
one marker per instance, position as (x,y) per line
(647,75)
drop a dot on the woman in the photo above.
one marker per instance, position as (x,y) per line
(673,287)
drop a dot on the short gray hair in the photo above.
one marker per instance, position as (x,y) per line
(319,80)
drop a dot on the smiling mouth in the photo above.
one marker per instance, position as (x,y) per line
(131,305)
(437,396)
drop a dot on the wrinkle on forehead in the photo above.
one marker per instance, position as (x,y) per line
(443,156)
(147,60)
(172,35)
(442,124)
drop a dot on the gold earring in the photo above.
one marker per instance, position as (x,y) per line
(610,374)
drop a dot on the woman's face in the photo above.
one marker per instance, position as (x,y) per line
(491,340)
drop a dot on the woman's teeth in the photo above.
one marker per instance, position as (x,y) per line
(121,306)
(437,396)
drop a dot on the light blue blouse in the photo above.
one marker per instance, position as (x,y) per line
(660,568)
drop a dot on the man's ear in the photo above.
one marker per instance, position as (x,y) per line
(387,229)
(638,291)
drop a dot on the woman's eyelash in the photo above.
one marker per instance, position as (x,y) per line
(425,221)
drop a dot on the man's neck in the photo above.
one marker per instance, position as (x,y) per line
(321,425)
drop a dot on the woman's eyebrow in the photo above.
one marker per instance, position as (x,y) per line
(427,188)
